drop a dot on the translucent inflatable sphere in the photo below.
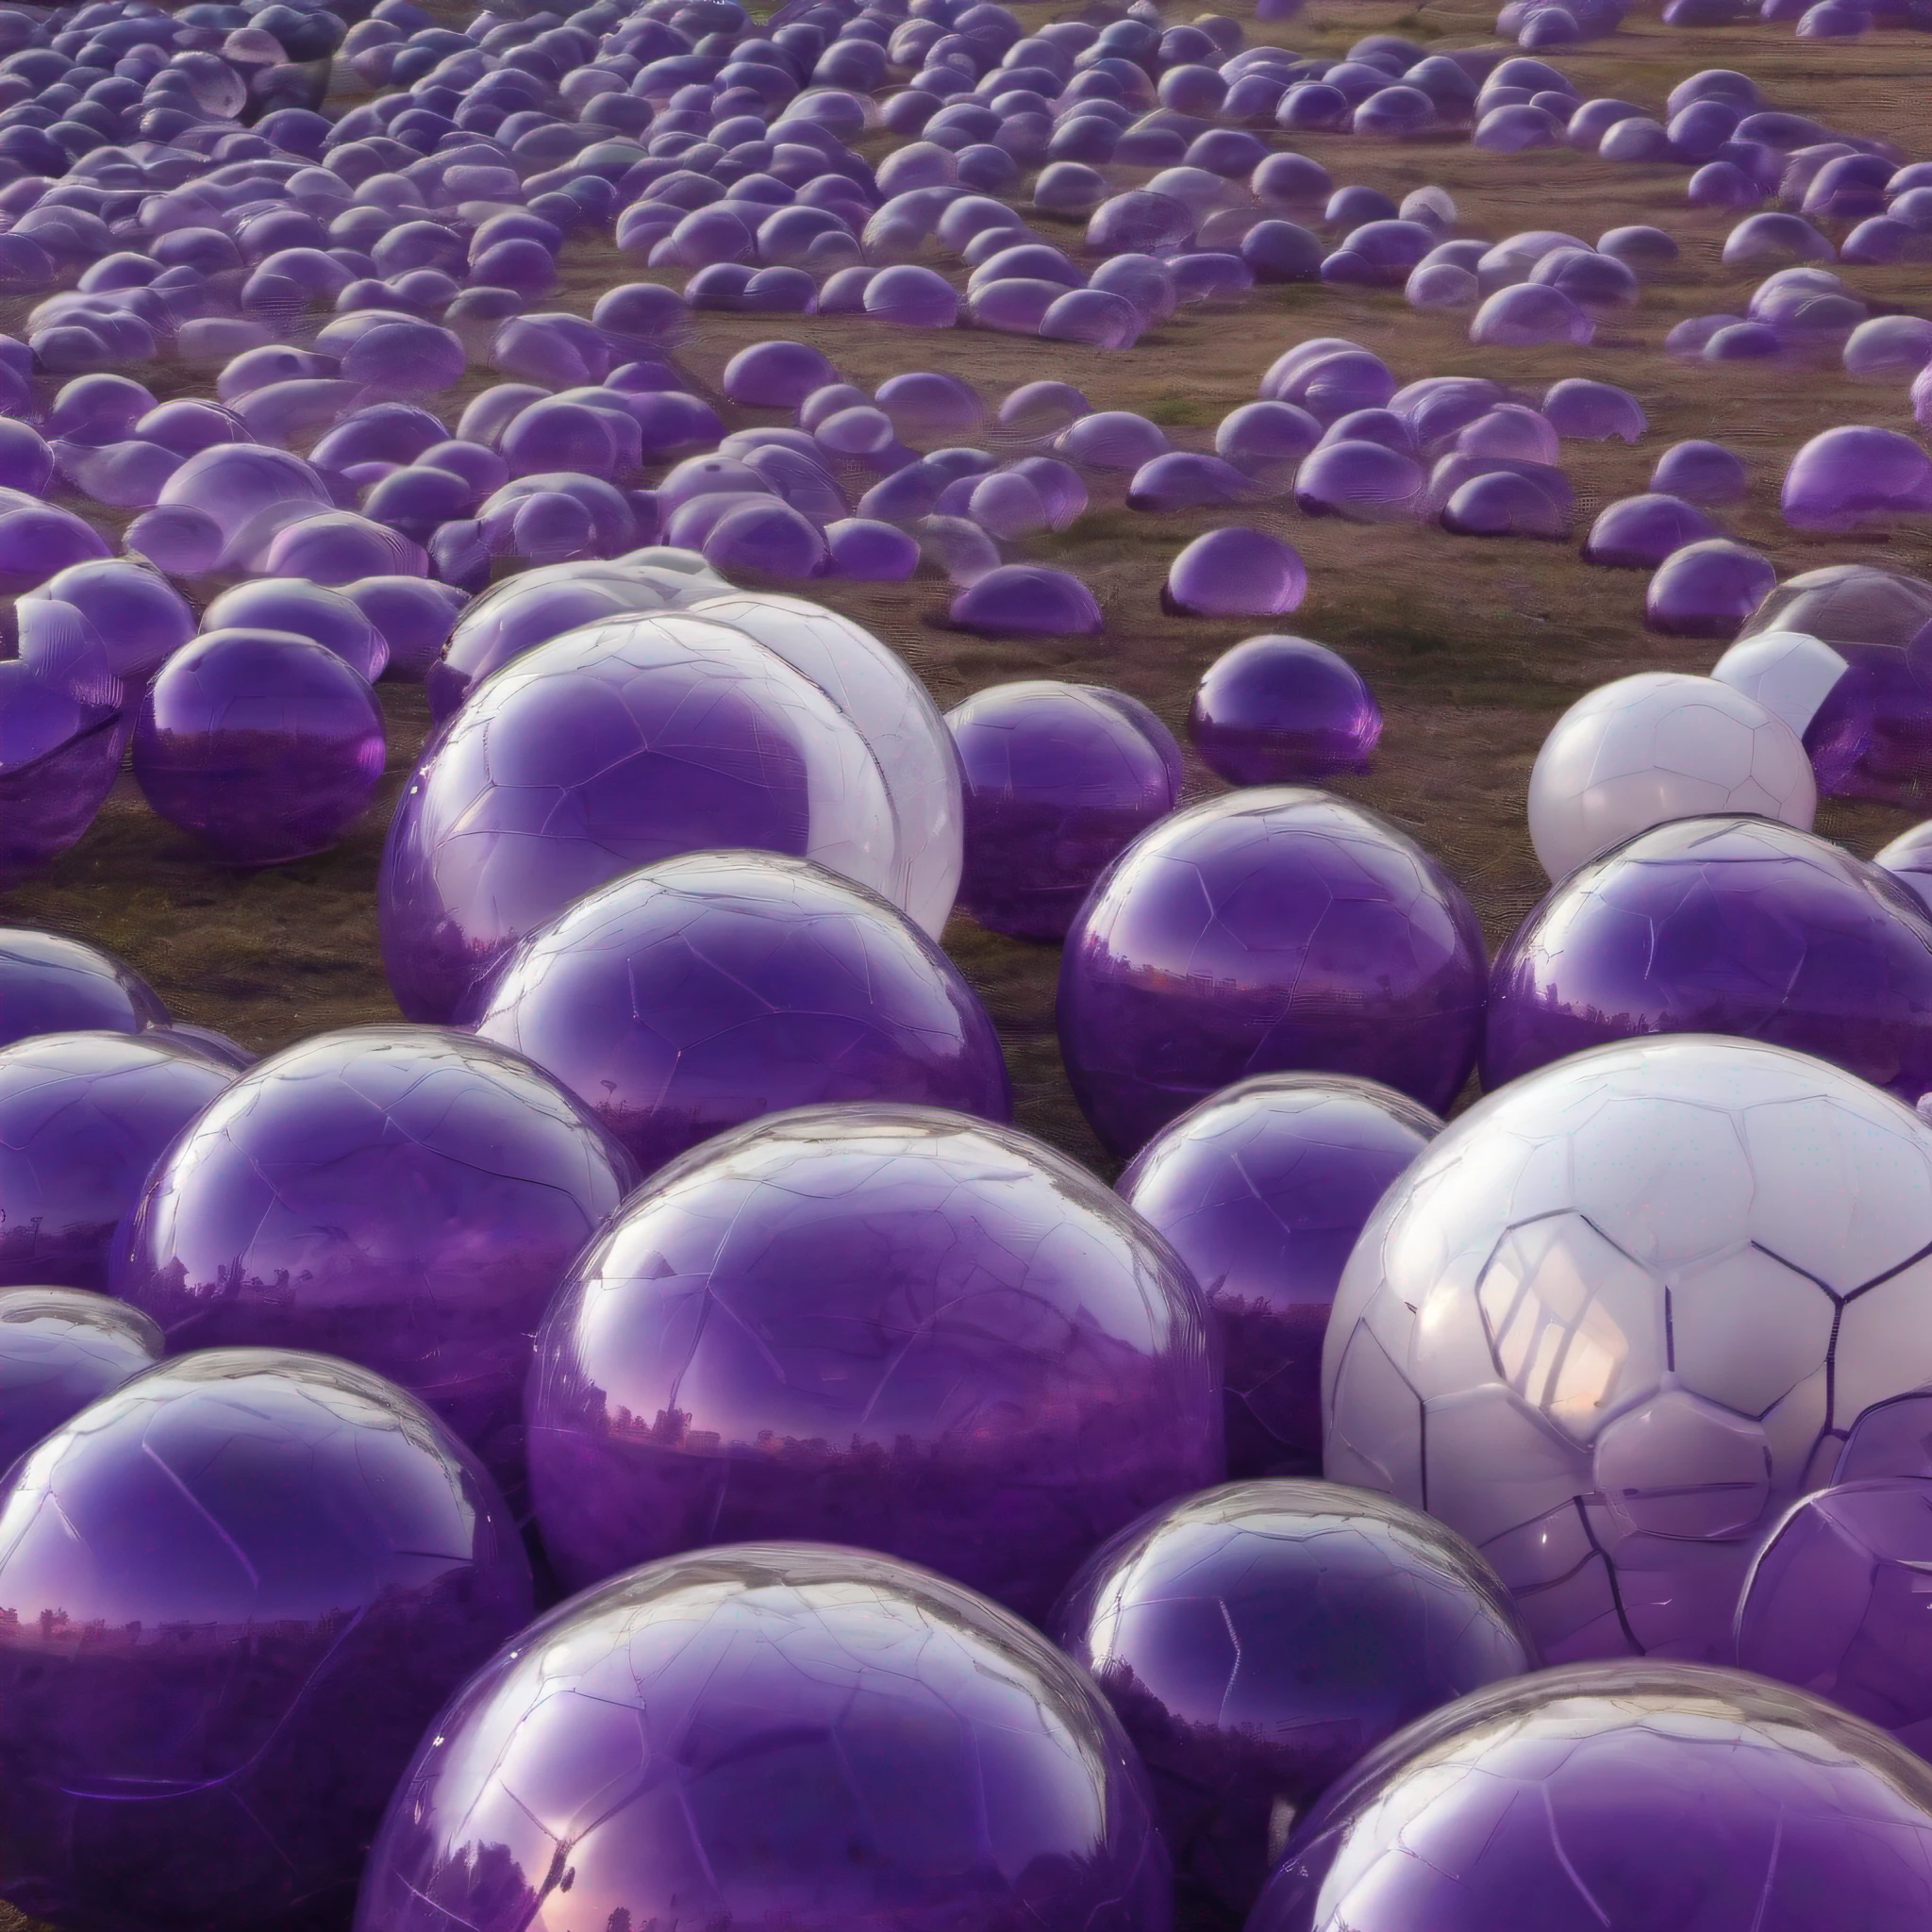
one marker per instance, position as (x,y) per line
(1856,477)
(1255,1641)
(599,752)
(873,684)
(1529,313)
(1680,1269)
(1363,481)
(698,993)
(1262,1188)
(1236,572)
(52,984)
(1909,860)
(1264,931)
(1640,532)
(1890,1439)
(264,744)
(857,1742)
(309,611)
(1803,680)
(228,1494)
(1283,710)
(60,744)
(405,1198)
(83,1117)
(62,1348)
(251,493)
(1655,746)
(136,614)
(1059,778)
(1027,599)
(1757,1806)
(1722,926)
(966,1350)
(1830,1603)
(1707,589)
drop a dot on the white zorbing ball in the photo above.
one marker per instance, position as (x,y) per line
(1658,746)
(876,690)
(1622,1313)
(1788,672)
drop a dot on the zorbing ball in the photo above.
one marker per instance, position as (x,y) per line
(406,1197)
(877,1324)
(1871,736)
(1059,778)
(62,1348)
(83,1118)
(1835,1601)
(243,1583)
(1264,931)
(1722,926)
(601,751)
(1262,1188)
(265,744)
(1655,746)
(874,686)
(52,984)
(1256,1639)
(1625,1794)
(820,1738)
(1282,710)
(698,993)
(1620,1314)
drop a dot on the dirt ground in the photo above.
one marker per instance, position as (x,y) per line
(1474,647)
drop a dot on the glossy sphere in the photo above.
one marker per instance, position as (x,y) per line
(879,1324)
(1834,1603)
(60,753)
(403,1196)
(1620,1795)
(1658,746)
(1266,929)
(83,1117)
(1722,926)
(1279,710)
(873,684)
(62,1348)
(695,995)
(1258,1639)
(243,1583)
(265,744)
(49,984)
(601,751)
(1059,778)
(1618,1316)
(820,1738)
(1263,1188)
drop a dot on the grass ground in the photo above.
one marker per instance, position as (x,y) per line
(1473,646)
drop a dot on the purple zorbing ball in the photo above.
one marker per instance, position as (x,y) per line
(1262,1188)
(83,1117)
(1271,928)
(51,984)
(1619,1794)
(264,744)
(1835,1601)
(1283,710)
(288,1566)
(880,1324)
(698,993)
(404,1196)
(1737,925)
(62,1348)
(1256,1639)
(1059,778)
(858,1743)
